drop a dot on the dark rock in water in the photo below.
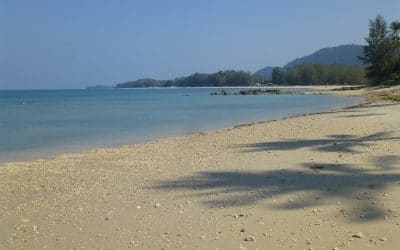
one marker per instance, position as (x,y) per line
(222,92)
(349,88)
(257,92)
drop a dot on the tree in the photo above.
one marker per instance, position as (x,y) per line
(395,43)
(395,29)
(377,54)
(277,75)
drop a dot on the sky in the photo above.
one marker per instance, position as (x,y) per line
(47,44)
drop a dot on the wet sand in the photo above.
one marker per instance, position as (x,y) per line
(319,181)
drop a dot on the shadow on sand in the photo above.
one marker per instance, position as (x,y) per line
(360,115)
(334,143)
(360,190)
(347,184)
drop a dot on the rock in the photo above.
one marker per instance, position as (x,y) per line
(257,92)
(250,239)
(242,230)
(383,239)
(358,235)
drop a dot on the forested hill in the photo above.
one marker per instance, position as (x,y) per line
(343,54)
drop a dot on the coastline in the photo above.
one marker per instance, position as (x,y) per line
(86,150)
(316,87)
(117,140)
(312,180)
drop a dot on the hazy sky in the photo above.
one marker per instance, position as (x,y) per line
(76,43)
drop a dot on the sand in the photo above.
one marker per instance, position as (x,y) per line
(321,181)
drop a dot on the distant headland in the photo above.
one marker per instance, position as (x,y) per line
(335,65)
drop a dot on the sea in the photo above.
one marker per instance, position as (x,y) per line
(43,123)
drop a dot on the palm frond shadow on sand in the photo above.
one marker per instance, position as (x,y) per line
(340,143)
(359,189)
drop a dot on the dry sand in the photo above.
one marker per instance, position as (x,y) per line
(320,181)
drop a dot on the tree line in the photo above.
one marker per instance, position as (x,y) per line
(381,57)
(220,78)
(310,73)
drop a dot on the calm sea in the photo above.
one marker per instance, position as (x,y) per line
(41,123)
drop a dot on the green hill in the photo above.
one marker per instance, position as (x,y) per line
(343,54)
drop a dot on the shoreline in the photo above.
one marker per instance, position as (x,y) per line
(88,149)
(316,87)
(317,181)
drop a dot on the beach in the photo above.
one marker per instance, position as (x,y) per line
(319,181)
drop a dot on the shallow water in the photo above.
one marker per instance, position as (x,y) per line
(40,123)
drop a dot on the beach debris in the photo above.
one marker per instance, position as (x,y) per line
(157,205)
(316,168)
(242,230)
(358,235)
(25,220)
(250,239)
(383,239)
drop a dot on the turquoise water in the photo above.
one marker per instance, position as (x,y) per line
(41,123)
